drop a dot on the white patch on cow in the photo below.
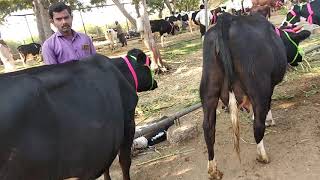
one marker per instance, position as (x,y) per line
(162,39)
(213,171)
(72,178)
(262,155)
(212,166)
(269,119)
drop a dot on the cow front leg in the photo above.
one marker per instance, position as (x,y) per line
(162,40)
(209,128)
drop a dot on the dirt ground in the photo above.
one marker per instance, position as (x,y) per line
(293,145)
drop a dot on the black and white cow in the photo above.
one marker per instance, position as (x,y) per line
(69,121)
(26,49)
(309,12)
(163,27)
(243,60)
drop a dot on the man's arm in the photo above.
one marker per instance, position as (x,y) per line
(48,54)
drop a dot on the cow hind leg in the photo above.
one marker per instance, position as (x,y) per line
(209,126)
(260,113)
(125,149)
(269,119)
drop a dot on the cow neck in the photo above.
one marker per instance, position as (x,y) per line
(285,31)
(171,27)
(299,50)
(133,73)
(147,64)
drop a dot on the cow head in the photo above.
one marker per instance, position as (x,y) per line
(291,41)
(141,65)
(293,16)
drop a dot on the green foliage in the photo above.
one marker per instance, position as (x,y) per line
(94,30)
(155,6)
(187,5)
(9,6)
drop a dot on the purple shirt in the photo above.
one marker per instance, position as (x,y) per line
(58,49)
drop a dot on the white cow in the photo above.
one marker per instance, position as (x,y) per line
(111,37)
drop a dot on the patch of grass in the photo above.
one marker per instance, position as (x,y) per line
(283,11)
(183,48)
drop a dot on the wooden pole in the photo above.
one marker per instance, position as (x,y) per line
(141,131)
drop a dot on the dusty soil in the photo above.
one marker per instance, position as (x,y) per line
(293,145)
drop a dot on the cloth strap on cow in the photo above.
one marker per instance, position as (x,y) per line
(147,64)
(134,75)
(294,14)
(309,20)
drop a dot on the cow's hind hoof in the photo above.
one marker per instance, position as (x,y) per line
(264,160)
(217,175)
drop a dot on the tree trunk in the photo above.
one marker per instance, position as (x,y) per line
(136,6)
(157,64)
(6,58)
(125,13)
(41,7)
(168,5)
(45,19)
(36,10)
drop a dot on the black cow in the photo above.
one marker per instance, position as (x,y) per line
(243,60)
(70,120)
(24,50)
(162,26)
(183,17)
(311,14)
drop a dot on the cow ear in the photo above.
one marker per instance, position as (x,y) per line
(302,35)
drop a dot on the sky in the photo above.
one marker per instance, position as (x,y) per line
(15,28)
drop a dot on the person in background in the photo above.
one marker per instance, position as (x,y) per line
(66,44)
(6,56)
(201,18)
(120,34)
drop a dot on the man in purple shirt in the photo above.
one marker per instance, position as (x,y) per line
(66,44)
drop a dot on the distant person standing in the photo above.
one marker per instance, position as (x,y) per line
(66,44)
(120,34)
(201,19)
(6,56)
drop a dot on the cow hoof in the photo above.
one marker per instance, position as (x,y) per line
(264,160)
(216,175)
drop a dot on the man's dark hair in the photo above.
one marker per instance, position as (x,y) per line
(58,7)
(201,6)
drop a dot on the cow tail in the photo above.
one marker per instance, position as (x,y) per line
(223,48)
(235,123)
(224,53)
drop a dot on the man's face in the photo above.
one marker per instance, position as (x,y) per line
(62,21)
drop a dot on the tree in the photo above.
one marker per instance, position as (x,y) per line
(186,5)
(120,7)
(168,5)
(149,41)
(156,5)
